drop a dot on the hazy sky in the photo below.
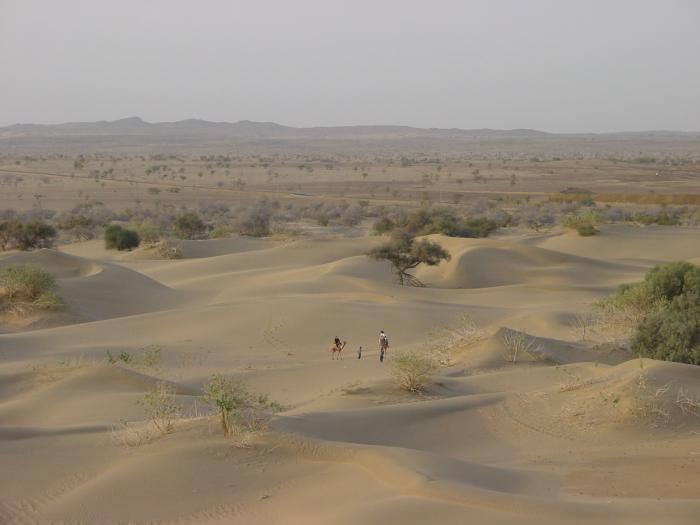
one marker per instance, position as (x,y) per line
(554,65)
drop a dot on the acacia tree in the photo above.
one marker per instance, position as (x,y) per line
(404,253)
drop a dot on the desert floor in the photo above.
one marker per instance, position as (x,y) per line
(573,432)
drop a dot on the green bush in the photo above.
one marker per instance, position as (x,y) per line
(667,281)
(227,396)
(589,218)
(412,370)
(26,287)
(118,238)
(664,310)
(475,227)
(586,230)
(671,333)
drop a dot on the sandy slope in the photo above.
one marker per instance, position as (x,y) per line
(567,435)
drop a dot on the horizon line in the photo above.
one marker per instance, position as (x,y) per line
(431,128)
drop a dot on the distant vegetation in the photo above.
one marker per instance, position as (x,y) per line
(119,238)
(20,235)
(447,221)
(189,226)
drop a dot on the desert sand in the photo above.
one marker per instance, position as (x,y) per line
(555,438)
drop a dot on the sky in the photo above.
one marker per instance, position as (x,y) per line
(552,65)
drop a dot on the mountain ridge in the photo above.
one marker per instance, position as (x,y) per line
(198,134)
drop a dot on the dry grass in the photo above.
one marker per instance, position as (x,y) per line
(134,434)
(688,403)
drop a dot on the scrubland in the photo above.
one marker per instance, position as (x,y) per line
(166,320)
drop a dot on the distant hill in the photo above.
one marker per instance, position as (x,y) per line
(200,135)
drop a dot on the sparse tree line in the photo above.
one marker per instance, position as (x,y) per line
(481,217)
(129,229)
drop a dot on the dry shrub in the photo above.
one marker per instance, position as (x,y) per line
(134,434)
(167,249)
(517,344)
(242,414)
(463,332)
(583,324)
(160,407)
(688,403)
(161,410)
(411,370)
(650,403)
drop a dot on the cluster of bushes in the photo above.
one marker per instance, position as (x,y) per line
(84,221)
(21,235)
(425,221)
(664,310)
(26,287)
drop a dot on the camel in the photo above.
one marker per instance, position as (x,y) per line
(335,348)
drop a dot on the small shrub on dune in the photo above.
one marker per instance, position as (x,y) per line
(27,287)
(517,345)
(168,250)
(227,396)
(160,407)
(587,230)
(118,238)
(412,370)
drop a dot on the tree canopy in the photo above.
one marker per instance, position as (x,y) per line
(404,253)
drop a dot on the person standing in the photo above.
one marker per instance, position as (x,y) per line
(383,345)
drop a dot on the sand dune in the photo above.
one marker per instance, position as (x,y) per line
(574,432)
